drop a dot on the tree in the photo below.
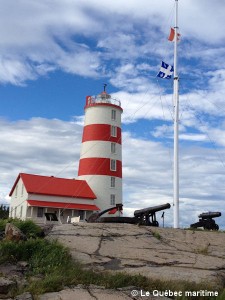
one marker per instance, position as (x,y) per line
(4,211)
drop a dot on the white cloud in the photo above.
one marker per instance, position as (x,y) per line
(52,147)
(88,37)
(123,41)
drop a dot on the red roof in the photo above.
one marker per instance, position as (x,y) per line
(54,186)
(62,205)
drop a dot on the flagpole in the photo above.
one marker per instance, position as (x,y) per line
(176,126)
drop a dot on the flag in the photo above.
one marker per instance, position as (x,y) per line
(172,35)
(166,71)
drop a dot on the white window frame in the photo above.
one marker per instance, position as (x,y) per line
(113,114)
(113,148)
(113,182)
(113,164)
(113,199)
(113,131)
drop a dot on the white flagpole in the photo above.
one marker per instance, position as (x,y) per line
(176,126)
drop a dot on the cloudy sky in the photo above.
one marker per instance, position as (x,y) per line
(55,53)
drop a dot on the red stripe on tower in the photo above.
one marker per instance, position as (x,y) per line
(100,166)
(101,132)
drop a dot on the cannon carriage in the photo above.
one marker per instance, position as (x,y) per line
(206,220)
(145,216)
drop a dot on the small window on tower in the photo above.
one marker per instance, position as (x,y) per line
(113,114)
(113,131)
(113,182)
(113,147)
(112,199)
(113,165)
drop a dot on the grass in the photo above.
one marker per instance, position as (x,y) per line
(28,227)
(156,235)
(203,250)
(58,269)
(54,263)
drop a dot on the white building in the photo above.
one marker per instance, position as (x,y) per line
(32,196)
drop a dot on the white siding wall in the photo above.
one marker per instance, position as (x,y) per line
(60,199)
(18,200)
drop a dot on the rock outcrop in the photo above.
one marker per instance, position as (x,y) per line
(158,253)
(13,233)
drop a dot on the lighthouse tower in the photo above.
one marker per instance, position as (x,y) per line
(101,153)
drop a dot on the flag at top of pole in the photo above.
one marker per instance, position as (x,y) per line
(171,36)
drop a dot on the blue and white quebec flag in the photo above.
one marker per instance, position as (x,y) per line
(166,71)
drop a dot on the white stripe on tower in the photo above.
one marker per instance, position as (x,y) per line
(101,153)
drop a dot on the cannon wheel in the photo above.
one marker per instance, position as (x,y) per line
(155,223)
(216,227)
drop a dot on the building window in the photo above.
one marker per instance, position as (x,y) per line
(22,190)
(16,191)
(113,131)
(113,115)
(11,212)
(81,214)
(40,212)
(113,147)
(15,211)
(113,165)
(112,199)
(113,182)
(21,211)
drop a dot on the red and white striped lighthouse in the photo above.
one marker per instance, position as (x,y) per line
(101,153)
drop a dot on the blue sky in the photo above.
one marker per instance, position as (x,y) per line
(54,54)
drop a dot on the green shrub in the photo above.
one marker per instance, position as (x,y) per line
(28,227)
(43,256)
(2,224)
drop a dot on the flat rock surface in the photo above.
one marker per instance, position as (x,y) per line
(95,293)
(158,253)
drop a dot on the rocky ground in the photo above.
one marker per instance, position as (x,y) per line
(161,253)
(158,253)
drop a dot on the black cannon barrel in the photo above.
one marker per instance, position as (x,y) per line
(210,215)
(150,210)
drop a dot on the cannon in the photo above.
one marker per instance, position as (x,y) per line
(147,216)
(206,221)
(95,217)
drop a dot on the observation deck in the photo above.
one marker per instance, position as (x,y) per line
(102,99)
